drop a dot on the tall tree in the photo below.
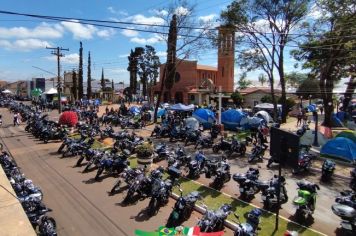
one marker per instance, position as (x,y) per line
(102,80)
(243,82)
(266,27)
(330,50)
(112,85)
(148,65)
(80,72)
(262,79)
(133,67)
(75,85)
(295,79)
(89,77)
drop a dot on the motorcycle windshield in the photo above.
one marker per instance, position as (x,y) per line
(299,201)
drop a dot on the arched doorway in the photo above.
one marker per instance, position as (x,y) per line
(178,97)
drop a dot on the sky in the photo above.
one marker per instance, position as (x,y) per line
(23,40)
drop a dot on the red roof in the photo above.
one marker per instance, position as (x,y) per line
(203,67)
(250,90)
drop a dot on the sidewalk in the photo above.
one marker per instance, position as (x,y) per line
(13,220)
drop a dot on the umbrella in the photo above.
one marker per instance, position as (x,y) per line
(36,92)
(191,123)
(6,91)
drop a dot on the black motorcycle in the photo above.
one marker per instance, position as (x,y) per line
(196,166)
(304,160)
(213,221)
(192,136)
(229,147)
(182,209)
(204,142)
(353,179)
(219,171)
(127,176)
(54,134)
(248,183)
(300,132)
(327,170)
(257,153)
(77,148)
(161,190)
(161,152)
(269,192)
(251,226)
(113,165)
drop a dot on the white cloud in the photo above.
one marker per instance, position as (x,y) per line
(129,33)
(161,53)
(67,59)
(106,33)
(44,30)
(80,31)
(141,19)
(152,40)
(182,11)
(159,12)
(24,45)
(112,10)
(123,55)
(315,12)
(207,18)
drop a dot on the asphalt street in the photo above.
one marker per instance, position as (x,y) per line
(80,205)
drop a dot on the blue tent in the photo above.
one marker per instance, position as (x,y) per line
(251,122)
(161,112)
(231,118)
(134,110)
(336,122)
(311,107)
(181,107)
(341,147)
(204,116)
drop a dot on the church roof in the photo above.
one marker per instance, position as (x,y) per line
(203,67)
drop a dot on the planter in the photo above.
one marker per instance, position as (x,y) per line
(144,161)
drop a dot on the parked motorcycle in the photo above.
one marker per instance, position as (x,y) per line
(112,165)
(161,152)
(204,142)
(192,136)
(257,153)
(304,159)
(345,208)
(251,226)
(327,170)
(300,132)
(76,148)
(127,176)
(161,190)
(269,192)
(197,165)
(248,185)
(213,221)
(229,147)
(220,171)
(305,202)
(182,209)
(353,179)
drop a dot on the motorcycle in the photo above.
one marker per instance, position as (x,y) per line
(196,166)
(251,226)
(327,170)
(213,221)
(306,200)
(248,185)
(230,147)
(176,133)
(54,134)
(300,132)
(178,159)
(76,148)
(220,171)
(345,208)
(192,136)
(269,192)
(113,166)
(128,175)
(182,209)
(161,190)
(304,160)
(204,142)
(258,151)
(161,152)
(69,141)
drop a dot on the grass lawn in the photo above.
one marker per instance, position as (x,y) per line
(214,199)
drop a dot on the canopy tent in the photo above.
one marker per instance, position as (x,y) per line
(165,105)
(251,122)
(36,92)
(336,122)
(350,134)
(267,106)
(312,107)
(231,118)
(181,107)
(6,91)
(51,91)
(161,112)
(341,147)
(204,116)
(264,115)
(308,138)
(134,110)
(191,123)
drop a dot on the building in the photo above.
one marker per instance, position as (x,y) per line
(198,84)
(252,96)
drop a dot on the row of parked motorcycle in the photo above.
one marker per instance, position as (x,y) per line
(30,197)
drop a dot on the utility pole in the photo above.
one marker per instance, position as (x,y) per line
(220,104)
(57,52)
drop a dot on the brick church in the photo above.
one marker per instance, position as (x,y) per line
(198,84)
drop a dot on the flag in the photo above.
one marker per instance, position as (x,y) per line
(184,231)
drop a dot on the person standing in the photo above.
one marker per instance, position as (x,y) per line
(321,109)
(299,118)
(15,119)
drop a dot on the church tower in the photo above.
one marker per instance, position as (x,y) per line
(226,59)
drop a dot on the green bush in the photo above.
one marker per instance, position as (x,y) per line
(144,150)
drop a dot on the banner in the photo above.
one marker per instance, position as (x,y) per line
(178,231)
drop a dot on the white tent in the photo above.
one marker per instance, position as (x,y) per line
(51,91)
(6,91)
(264,115)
